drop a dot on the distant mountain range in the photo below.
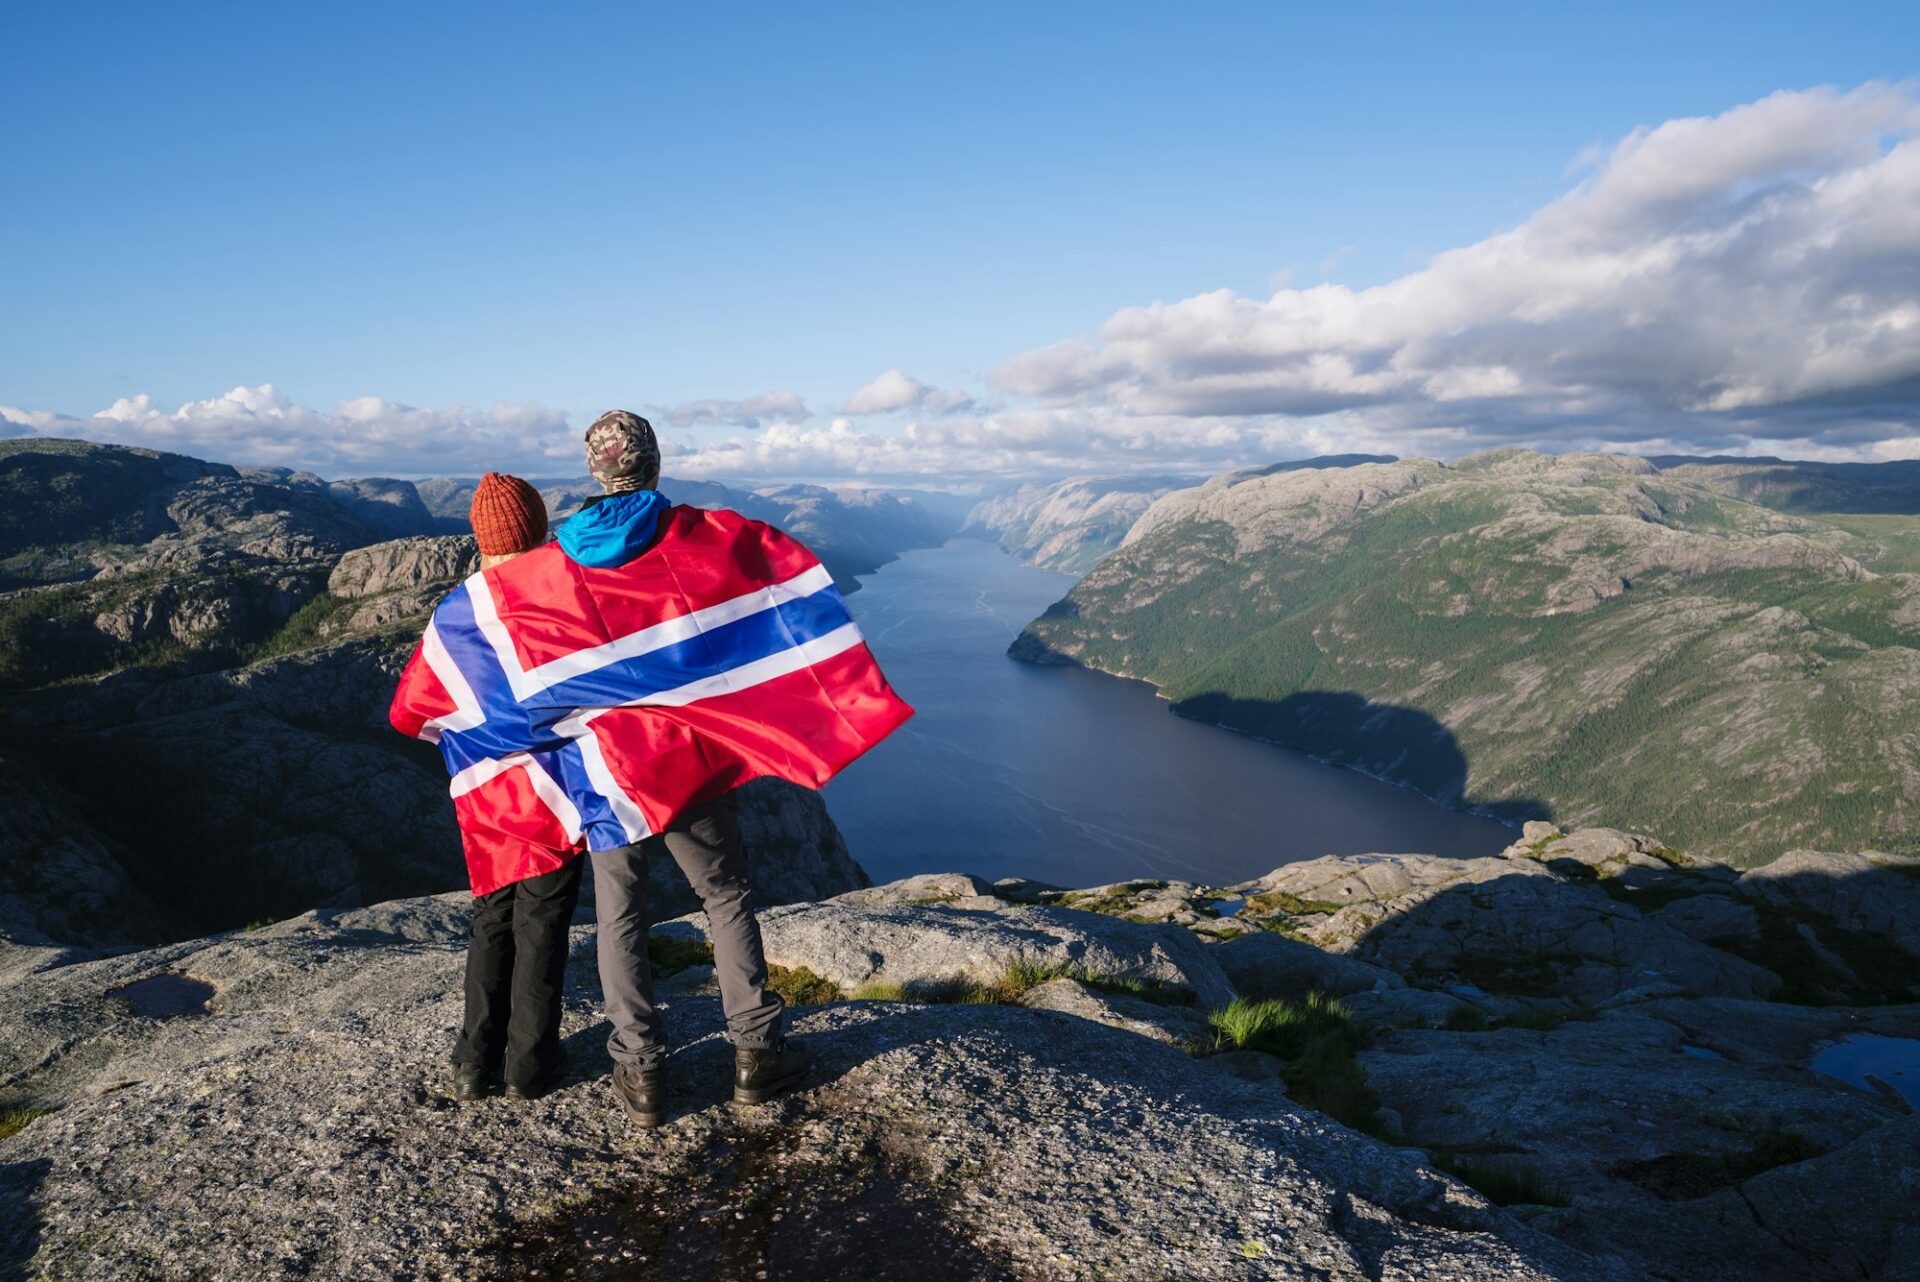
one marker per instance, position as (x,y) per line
(194,657)
(1069,525)
(195,661)
(1710,649)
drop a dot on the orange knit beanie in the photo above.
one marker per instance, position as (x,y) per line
(508,515)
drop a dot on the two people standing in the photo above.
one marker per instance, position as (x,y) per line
(599,698)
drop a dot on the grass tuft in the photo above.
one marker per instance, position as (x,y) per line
(1014,982)
(670,956)
(1280,1028)
(15,1120)
(1118,903)
(799,986)
(1318,1039)
(1268,901)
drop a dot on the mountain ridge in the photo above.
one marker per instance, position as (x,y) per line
(1561,620)
(195,661)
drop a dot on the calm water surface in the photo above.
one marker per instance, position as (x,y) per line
(1074,777)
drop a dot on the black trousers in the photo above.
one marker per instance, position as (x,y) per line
(516,969)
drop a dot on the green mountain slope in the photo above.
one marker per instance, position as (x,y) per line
(1579,636)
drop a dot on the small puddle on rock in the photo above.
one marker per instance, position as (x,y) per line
(752,1207)
(166,996)
(1859,1057)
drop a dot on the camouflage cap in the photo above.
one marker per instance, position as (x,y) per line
(622,453)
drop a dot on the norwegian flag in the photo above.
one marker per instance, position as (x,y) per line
(578,705)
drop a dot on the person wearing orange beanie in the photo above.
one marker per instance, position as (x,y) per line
(509,517)
(517,950)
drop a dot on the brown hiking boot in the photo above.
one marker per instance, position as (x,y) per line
(760,1075)
(642,1093)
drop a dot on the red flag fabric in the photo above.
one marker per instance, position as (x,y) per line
(581,705)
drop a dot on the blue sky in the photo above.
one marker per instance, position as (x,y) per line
(576,206)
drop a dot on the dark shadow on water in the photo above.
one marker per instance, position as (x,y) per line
(1399,744)
(19,1219)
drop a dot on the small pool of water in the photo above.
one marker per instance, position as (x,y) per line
(166,996)
(1229,907)
(1893,1060)
(1700,1052)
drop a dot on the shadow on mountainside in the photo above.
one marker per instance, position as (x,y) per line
(19,1220)
(1399,744)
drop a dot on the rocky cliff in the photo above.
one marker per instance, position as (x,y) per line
(1582,636)
(1067,525)
(112,557)
(1586,1058)
(195,662)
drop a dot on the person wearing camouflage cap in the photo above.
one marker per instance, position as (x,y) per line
(622,453)
(611,529)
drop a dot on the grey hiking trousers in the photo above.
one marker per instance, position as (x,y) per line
(705,842)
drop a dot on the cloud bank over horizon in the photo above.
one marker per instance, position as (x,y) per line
(1723,284)
(1747,283)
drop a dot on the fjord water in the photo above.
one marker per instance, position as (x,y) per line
(1078,778)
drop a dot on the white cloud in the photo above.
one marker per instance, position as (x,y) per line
(777,407)
(1750,275)
(1024,443)
(258,425)
(1743,283)
(894,390)
(368,436)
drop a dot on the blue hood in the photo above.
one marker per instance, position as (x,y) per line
(613,531)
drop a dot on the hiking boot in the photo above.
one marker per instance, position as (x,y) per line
(760,1075)
(642,1093)
(555,1074)
(471,1082)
